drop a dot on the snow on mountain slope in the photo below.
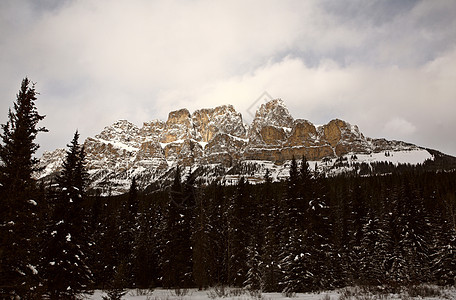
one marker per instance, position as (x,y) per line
(216,142)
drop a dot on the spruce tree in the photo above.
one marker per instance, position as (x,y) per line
(18,205)
(374,250)
(293,252)
(273,226)
(146,250)
(177,256)
(65,259)
(127,225)
(239,226)
(202,255)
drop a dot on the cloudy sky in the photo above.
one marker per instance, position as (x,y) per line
(387,66)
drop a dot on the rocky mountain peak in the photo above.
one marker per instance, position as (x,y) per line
(181,116)
(273,113)
(343,136)
(214,138)
(179,126)
(272,123)
(121,131)
(152,129)
(222,119)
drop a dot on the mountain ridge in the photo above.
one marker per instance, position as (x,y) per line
(218,138)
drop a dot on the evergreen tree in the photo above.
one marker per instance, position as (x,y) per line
(218,212)
(127,225)
(257,217)
(444,255)
(116,289)
(255,274)
(203,263)
(355,224)
(293,255)
(18,206)
(374,250)
(239,225)
(105,257)
(273,226)
(146,250)
(177,256)
(317,242)
(66,252)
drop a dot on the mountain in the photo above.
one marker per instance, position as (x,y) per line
(215,144)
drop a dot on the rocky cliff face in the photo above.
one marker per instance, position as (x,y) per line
(215,136)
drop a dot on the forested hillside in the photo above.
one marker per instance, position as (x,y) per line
(306,232)
(303,234)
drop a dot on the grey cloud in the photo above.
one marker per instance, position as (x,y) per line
(95,62)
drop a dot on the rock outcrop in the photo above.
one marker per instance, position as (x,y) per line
(214,136)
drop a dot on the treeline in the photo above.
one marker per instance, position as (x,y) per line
(303,234)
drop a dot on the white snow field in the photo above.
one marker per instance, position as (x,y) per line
(343,294)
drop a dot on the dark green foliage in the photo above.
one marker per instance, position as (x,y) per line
(238,235)
(323,233)
(305,234)
(117,287)
(177,255)
(19,209)
(64,264)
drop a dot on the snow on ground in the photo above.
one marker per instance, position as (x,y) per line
(412,157)
(193,294)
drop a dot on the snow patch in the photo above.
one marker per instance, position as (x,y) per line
(34,270)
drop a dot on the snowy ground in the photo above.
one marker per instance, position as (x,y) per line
(160,294)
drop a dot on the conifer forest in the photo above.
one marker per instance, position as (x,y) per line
(307,233)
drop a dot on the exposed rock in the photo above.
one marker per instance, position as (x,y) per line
(224,148)
(185,152)
(223,119)
(121,131)
(271,114)
(272,135)
(151,155)
(51,162)
(152,129)
(179,126)
(305,134)
(208,137)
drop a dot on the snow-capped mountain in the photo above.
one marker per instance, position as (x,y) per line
(217,145)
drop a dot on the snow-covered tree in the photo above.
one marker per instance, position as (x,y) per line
(127,226)
(177,255)
(66,251)
(18,205)
(238,228)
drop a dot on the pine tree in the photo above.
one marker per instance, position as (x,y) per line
(219,241)
(444,257)
(127,225)
(116,288)
(273,226)
(18,206)
(374,250)
(293,260)
(239,226)
(146,250)
(66,251)
(177,256)
(317,239)
(254,278)
(202,255)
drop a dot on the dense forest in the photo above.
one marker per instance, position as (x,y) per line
(303,234)
(306,233)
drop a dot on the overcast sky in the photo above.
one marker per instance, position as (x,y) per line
(387,66)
